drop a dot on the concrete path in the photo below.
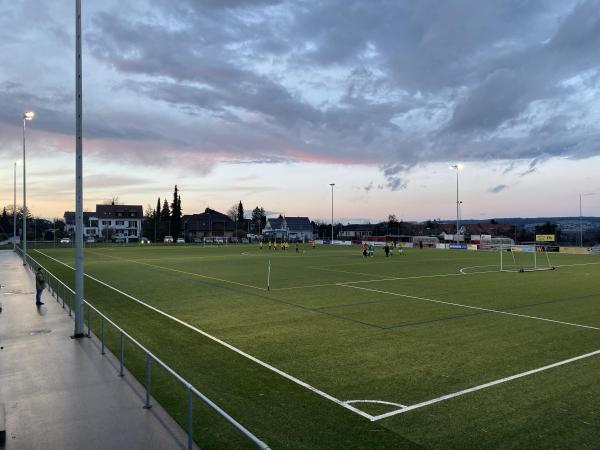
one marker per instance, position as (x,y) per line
(60,393)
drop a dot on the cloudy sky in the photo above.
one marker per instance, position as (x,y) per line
(269,101)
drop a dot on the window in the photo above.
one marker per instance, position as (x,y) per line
(106,222)
(120,222)
(133,223)
(132,214)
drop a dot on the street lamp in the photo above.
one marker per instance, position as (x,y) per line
(581,218)
(332,185)
(27,116)
(458,168)
(15,207)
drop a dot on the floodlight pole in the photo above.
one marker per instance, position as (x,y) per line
(24,201)
(332,185)
(581,218)
(26,116)
(15,208)
(78,333)
(457,208)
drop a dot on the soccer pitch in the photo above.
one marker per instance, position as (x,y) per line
(430,349)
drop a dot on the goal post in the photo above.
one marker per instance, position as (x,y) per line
(524,258)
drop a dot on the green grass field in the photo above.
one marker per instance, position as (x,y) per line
(373,345)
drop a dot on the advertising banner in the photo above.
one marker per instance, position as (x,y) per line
(545,238)
(441,246)
(457,246)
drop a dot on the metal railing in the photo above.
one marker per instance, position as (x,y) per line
(59,290)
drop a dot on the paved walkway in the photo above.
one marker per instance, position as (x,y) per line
(60,393)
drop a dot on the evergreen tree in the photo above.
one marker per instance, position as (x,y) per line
(157,210)
(165,212)
(165,220)
(176,214)
(240,212)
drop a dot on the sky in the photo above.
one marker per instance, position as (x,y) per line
(270,101)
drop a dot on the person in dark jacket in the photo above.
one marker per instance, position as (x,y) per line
(40,284)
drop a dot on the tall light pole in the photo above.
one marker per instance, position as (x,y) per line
(332,185)
(27,116)
(458,168)
(15,208)
(581,218)
(78,333)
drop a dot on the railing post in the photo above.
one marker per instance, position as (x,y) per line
(89,333)
(148,385)
(122,346)
(69,308)
(63,296)
(103,326)
(190,418)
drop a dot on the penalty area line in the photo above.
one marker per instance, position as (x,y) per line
(227,345)
(497,311)
(483,386)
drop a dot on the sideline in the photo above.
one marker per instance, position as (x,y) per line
(227,345)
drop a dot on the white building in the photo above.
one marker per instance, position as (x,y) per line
(289,229)
(111,222)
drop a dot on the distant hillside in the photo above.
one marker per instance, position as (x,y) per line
(523,221)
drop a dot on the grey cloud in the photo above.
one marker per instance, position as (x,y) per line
(395,183)
(389,84)
(497,189)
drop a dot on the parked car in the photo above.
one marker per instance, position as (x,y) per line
(144,240)
(168,240)
(198,241)
(90,240)
(180,240)
(119,241)
(65,241)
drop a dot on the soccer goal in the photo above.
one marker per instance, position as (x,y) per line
(524,258)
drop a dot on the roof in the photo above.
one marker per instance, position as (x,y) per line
(298,224)
(118,211)
(290,223)
(69,217)
(359,227)
(207,221)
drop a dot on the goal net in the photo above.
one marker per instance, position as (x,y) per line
(524,258)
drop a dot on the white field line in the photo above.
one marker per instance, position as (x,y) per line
(414,277)
(225,344)
(482,386)
(179,271)
(380,402)
(577,264)
(471,307)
